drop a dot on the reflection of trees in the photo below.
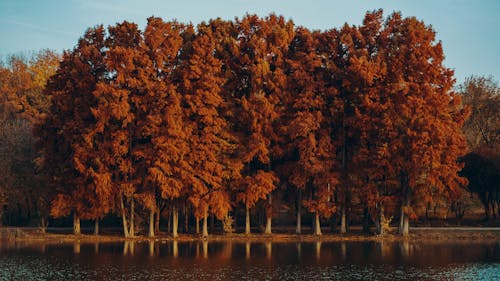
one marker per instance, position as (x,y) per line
(205,249)
(128,247)
(175,249)
(318,249)
(247,250)
(151,244)
(76,247)
(269,250)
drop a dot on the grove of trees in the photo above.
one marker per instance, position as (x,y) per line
(251,114)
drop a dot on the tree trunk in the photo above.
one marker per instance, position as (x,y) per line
(317,224)
(405,219)
(406,226)
(152,223)
(268,225)
(401,219)
(298,228)
(343,221)
(175,222)
(197,222)
(124,217)
(76,225)
(96,226)
(247,220)
(380,223)
(43,225)
(131,231)
(205,224)
(269,215)
(157,219)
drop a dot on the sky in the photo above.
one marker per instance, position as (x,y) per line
(469,29)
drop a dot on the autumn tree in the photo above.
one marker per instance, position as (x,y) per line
(119,111)
(22,103)
(163,126)
(260,88)
(210,140)
(425,138)
(482,95)
(309,127)
(62,133)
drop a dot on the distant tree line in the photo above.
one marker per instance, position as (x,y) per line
(251,114)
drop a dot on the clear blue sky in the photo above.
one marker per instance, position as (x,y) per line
(469,29)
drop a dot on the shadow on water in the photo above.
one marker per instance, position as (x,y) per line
(156,260)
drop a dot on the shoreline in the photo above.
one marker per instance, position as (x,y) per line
(417,234)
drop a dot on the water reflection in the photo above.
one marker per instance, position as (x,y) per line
(255,260)
(269,250)
(318,250)
(128,248)
(76,247)
(247,250)
(205,249)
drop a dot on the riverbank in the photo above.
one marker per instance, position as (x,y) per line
(455,234)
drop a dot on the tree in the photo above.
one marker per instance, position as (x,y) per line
(484,179)
(210,141)
(22,104)
(63,133)
(426,117)
(164,125)
(309,127)
(260,88)
(482,95)
(119,111)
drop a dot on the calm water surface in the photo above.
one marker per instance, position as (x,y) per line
(251,261)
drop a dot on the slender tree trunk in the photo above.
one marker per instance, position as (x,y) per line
(405,220)
(152,223)
(247,220)
(131,231)
(406,226)
(43,224)
(401,219)
(298,228)
(380,223)
(76,225)
(343,221)
(96,226)
(197,222)
(268,225)
(157,219)
(317,224)
(269,215)
(205,224)
(124,217)
(175,221)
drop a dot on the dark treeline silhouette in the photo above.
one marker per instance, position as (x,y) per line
(253,114)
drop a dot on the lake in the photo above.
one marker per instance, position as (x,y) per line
(251,261)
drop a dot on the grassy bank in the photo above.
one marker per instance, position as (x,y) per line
(452,234)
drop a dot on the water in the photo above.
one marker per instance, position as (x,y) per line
(251,261)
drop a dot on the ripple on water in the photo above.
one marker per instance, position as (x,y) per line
(61,263)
